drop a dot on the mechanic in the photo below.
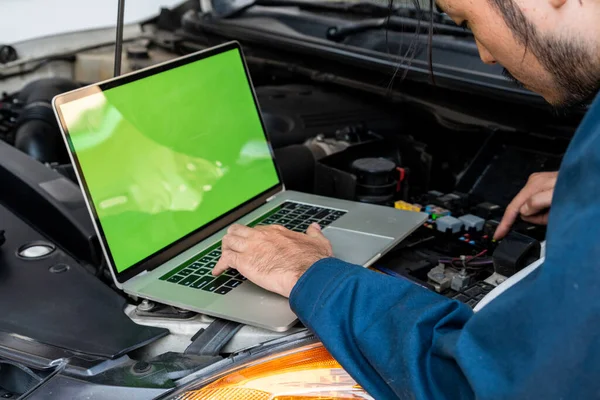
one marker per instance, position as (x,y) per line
(538,340)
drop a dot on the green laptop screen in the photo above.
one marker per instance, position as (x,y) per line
(166,154)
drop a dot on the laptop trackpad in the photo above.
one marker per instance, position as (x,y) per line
(355,247)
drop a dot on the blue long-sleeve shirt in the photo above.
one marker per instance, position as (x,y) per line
(538,340)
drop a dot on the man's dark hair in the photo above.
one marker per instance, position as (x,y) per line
(412,49)
(430,41)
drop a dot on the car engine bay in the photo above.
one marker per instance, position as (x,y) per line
(329,139)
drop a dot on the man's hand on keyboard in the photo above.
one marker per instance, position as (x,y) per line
(272,257)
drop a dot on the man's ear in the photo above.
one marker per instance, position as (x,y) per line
(558,3)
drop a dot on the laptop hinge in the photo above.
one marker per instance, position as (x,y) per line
(276,194)
(136,276)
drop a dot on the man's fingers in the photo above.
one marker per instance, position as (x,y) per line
(240,230)
(548,181)
(228,260)
(514,208)
(536,203)
(221,266)
(235,243)
(530,200)
(538,219)
(314,230)
(511,214)
(267,228)
(507,220)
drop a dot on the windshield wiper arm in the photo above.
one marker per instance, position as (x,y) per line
(369,8)
(396,24)
(401,19)
(229,9)
(347,7)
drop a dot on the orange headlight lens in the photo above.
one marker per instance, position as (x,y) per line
(308,372)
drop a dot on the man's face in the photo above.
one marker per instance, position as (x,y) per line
(551,46)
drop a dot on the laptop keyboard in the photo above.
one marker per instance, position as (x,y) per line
(196,273)
(297,217)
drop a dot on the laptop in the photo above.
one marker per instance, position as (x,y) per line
(169,156)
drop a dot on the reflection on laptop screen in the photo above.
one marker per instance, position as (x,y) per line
(164,155)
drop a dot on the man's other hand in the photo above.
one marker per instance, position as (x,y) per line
(272,257)
(532,203)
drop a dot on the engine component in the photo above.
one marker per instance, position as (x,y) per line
(37,282)
(448,223)
(54,203)
(98,64)
(488,210)
(435,193)
(471,295)
(323,147)
(440,277)
(295,113)
(210,341)
(37,132)
(443,278)
(452,201)
(148,308)
(375,180)
(514,253)
(436,212)
(297,162)
(7,54)
(402,205)
(504,162)
(460,280)
(472,222)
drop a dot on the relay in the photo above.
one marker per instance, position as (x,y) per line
(472,222)
(448,223)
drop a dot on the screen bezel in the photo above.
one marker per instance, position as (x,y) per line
(160,257)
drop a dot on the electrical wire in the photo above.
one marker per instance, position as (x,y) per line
(468,262)
(478,255)
(473,265)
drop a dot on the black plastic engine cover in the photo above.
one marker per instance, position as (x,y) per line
(54,300)
(295,113)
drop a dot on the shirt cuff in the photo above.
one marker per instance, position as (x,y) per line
(316,283)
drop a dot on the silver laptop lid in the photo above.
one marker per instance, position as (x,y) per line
(168,155)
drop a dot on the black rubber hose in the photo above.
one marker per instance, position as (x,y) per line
(37,133)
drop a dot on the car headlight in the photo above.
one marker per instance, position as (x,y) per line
(307,372)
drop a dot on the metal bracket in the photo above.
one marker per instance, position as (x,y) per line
(148,308)
(210,341)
